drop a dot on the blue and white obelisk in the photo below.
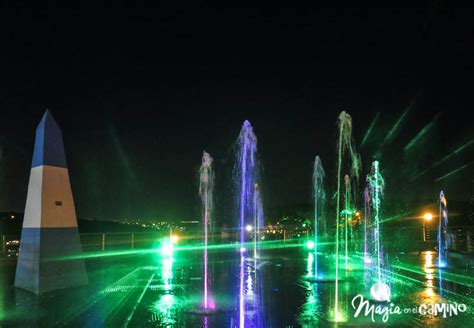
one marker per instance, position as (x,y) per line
(50,224)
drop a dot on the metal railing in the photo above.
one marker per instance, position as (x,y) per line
(404,239)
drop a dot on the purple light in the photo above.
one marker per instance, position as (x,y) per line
(246,181)
(241,296)
(442,229)
(205,261)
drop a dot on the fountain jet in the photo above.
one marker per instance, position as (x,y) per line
(345,144)
(249,204)
(206,186)
(380,291)
(367,259)
(442,230)
(319,198)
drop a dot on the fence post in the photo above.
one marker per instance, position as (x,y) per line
(133,240)
(103,242)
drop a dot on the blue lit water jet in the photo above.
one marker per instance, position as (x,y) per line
(442,230)
(250,210)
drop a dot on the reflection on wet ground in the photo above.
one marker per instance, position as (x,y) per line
(156,291)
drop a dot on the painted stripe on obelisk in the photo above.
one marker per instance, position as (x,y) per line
(49,202)
(57,204)
(32,217)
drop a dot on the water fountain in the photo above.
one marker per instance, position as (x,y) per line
(206,185)
(258,220)
(250,214)
(347,212)
(442,230)
(319,198)
(345,144)
(367,258)
(380,291)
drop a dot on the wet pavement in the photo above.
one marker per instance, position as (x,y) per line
(152,290)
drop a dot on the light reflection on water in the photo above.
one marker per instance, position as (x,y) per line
(430,294)
(276,294)
(308,313)
(253,302)
(163,309)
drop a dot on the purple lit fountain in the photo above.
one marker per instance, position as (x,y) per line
(250,221)
(443,242)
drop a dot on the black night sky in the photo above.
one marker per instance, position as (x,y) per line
(140,93)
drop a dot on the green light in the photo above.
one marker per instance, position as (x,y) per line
(347,212)
(391,134)
(423,133)
(369,131)
(447,175)
(166,249)
(310,244)
(454,153)
(269,244)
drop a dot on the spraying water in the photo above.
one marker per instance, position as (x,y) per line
(319,198)
(246,172)
(380,290)
(442,230)
(258,220)
(367,259)
(347,210)
(345,144)
(249,201)
(206,185)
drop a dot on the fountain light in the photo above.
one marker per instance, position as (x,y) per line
(310,244)
(248,227)
(167,249)
(380,292)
